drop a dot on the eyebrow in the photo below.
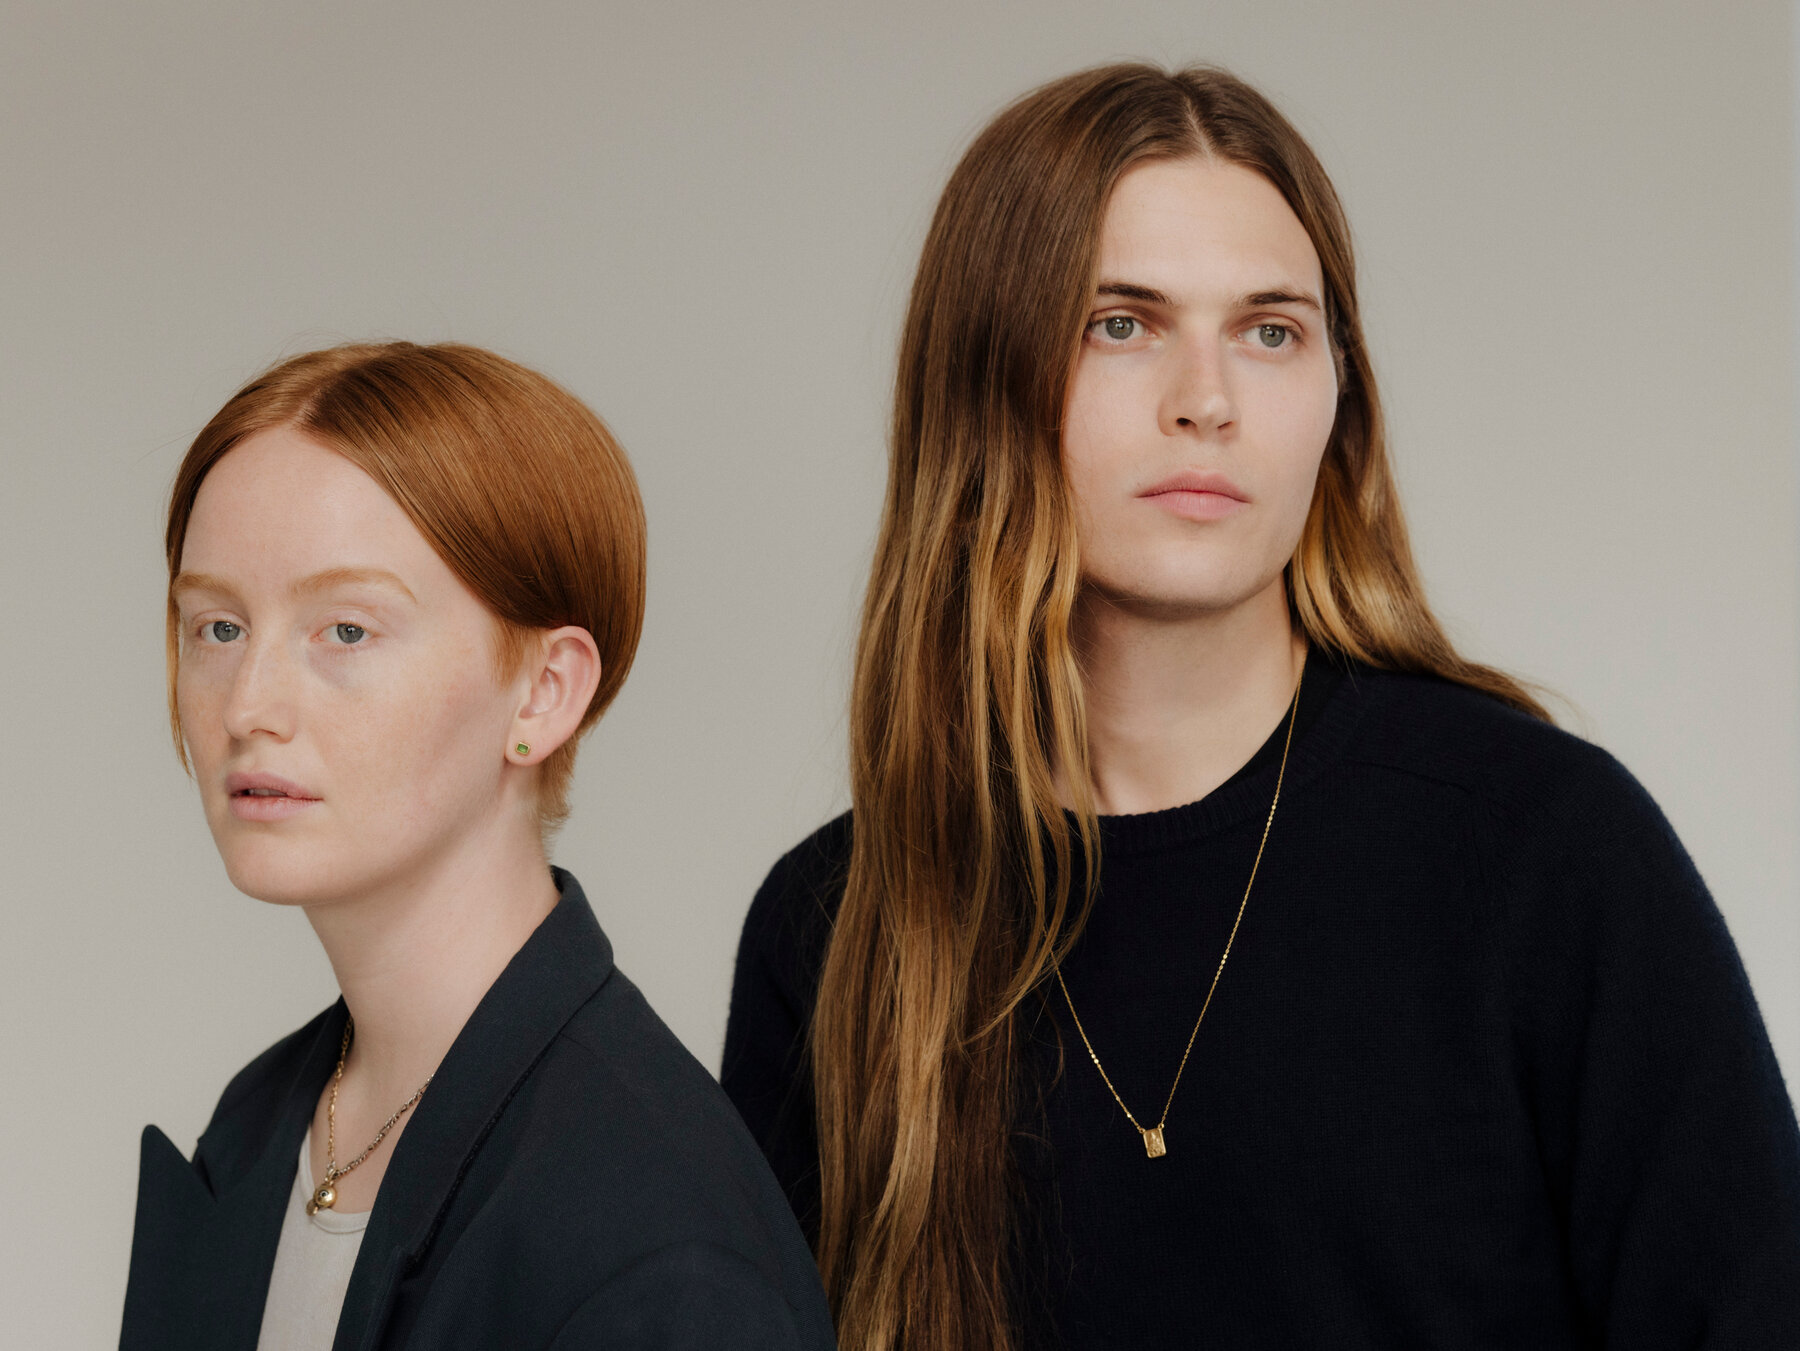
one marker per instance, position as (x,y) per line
(1126,290)
(1147,295)
(328,580)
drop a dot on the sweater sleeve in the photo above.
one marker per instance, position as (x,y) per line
(766,1071)
(1667,1136)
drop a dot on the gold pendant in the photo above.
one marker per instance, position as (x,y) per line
(1153,1143)
(323,1199)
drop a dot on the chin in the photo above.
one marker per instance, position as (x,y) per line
(287,872)
(1185,581)
(1186,597)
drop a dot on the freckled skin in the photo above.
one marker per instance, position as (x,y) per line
(1194,383)
(400,734)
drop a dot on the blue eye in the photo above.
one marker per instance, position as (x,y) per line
(349,633)
(222,631)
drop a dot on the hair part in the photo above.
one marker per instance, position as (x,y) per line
(515,483)
(967,697)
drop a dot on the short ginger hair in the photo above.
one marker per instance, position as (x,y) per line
(517,485)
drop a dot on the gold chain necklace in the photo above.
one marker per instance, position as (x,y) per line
(1154,1144)
(326,1196)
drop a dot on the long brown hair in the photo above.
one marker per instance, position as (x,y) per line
(517,485)
(967,696)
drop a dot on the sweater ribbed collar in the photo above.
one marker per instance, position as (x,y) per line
(1333,697)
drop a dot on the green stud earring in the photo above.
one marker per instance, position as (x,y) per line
(522,748)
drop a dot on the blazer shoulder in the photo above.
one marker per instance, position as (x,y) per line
(646,1087)
(643,1150)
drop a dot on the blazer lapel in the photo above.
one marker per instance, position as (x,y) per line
(558,970)
(206,1231)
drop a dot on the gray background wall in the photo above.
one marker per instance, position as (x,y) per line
(1577,231)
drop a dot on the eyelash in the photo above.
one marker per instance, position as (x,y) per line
(205,627)
(1293,333)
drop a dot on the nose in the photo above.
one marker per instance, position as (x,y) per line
(1197,395)
(260,701)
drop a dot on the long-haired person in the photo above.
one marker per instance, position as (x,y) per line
(403,582)
(1214,956)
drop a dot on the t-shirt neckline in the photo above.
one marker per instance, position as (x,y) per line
(332,1221)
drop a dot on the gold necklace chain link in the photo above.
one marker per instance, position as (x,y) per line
(1155,1146)
(324,1197)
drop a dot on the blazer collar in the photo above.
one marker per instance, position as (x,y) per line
(560,967)
(207,1231)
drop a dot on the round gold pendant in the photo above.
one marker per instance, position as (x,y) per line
(323,1199)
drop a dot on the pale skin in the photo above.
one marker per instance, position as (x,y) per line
(1198,412)
(325,644)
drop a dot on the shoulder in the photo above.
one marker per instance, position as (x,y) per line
(644,1083)
(646,1098)
(1564,842)
(790,919)
(766,1064)
(1515,768)
(635,1146)
(810,876)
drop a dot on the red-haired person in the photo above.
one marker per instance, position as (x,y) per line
(403,582)
(1214,956)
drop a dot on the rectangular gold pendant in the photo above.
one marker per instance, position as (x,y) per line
(1153,1143)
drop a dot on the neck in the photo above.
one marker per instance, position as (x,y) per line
(414,959)
(1177,704)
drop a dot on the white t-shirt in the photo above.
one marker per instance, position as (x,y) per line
(313,1263)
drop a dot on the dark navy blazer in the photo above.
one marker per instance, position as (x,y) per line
(573,1178)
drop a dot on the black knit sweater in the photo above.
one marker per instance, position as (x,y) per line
(1483,1070)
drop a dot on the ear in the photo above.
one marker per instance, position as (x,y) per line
(563,675)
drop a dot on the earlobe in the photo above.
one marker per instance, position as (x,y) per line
(567,672)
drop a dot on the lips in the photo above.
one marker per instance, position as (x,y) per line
(1198,481)
(266,797)
(1198,495)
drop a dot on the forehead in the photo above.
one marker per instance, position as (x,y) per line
(1193,226)
(281,504)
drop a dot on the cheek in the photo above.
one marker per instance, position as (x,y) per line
(1301,424)
(1097,447)
(429,748)
(199,699)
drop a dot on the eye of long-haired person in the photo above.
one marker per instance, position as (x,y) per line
(1214,956)
(404,581)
